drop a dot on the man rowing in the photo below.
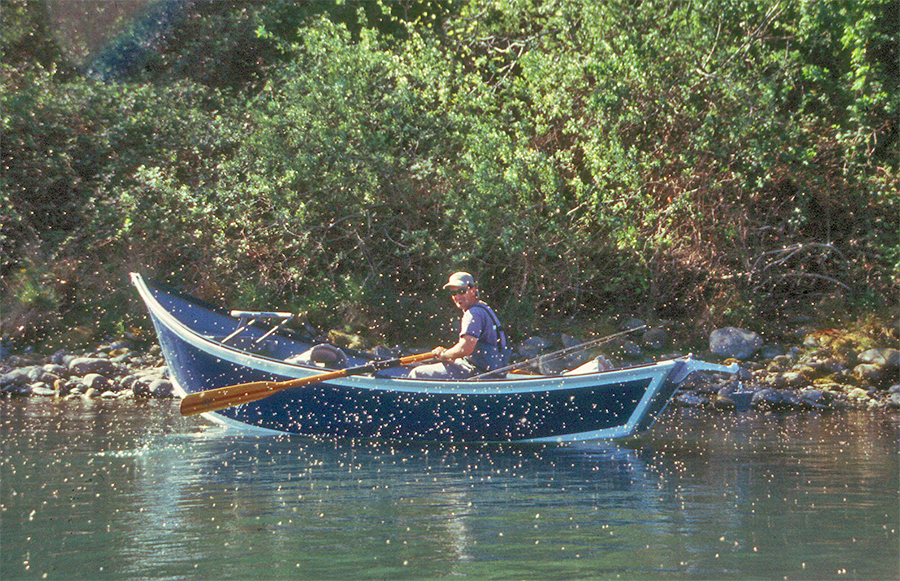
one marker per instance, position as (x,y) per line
(482,342)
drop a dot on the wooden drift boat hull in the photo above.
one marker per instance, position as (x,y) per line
(387,405)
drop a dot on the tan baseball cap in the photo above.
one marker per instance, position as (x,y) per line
(460,280)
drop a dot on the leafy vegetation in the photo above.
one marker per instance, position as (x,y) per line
(711,162)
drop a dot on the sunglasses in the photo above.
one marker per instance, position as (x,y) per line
(459,291)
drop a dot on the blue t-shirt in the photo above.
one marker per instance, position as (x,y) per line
(478,323)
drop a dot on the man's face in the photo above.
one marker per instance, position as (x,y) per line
(463,297)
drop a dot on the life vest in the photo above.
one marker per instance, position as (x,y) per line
(487,357)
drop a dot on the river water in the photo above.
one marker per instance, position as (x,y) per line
(130,490)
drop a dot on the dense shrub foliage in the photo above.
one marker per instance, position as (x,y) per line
(708,161)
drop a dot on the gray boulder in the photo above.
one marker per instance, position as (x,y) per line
(161,389)
(689,399)
(57,370)
(40,389)
(16,389)
(634,323)
(655,338)
(141,388)
(630,349)
(881,356)
(533,346)
(734,342)
(771,351)
(82,366)
(812,398)
(62,358)
(19,376)
(870,373)
(767,398)
(893,400)
(96,381)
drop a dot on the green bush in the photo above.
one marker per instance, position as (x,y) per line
(716,162)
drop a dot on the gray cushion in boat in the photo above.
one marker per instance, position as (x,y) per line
(323,355)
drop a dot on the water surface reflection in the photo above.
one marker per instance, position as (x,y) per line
(102,491)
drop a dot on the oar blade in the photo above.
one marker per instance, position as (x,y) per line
(225,397)
(220,398)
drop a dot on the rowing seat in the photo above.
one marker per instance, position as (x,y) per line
(322,355)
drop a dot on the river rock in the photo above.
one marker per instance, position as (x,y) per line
(161,389)
(883,356)
(655,338)
(630,349)
(723,402)
(859,394)
(128,381)
(96,381)
(63,358)
(35,373)
(116,346)
(41,389)
(15,377)
(533,346)
(795,378)
(767,398)
(790,399)
(733,397)
(893,400)
(870,373)
(734,342)
(141,388)
(633,323)
(384,352)
(813,398)
(689,399)
(82,366)
(771,351)
(700,382)
(55,369)
(120,356)
(16,389)
(780,363)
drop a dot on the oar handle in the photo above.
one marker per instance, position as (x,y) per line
(220,398)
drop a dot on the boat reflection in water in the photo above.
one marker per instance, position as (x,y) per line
(438,502)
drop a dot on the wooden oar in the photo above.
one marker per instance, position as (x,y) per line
(225,397)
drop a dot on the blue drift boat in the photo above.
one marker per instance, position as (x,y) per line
(206,348)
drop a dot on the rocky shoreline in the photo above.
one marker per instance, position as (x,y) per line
(116,370)
(828,369)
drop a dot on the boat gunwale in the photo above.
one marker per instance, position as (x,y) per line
(657,371)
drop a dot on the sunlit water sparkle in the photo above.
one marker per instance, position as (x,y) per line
(112,490)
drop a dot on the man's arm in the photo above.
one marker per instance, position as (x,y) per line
(463,348)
